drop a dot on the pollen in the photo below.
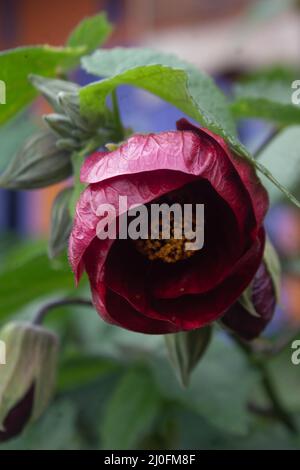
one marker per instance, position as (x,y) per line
(168,251)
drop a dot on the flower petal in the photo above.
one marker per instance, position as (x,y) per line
(242,322)
(139,189)
(246,171)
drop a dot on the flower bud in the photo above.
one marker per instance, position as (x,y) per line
(38,164)
(51,87)
(70,105)
(60,124)
(28,377)
(255,308)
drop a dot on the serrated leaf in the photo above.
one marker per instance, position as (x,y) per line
(171,79)
(61,223)
(91,32)
(131,411)
(186,349)
(164,75)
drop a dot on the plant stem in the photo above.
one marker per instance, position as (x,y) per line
(43,311)
(267,141)
(267,348)
(270,389)
(117,116)
(278,408)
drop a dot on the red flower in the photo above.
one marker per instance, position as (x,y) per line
(137,290)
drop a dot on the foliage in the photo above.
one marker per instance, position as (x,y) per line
(116,389)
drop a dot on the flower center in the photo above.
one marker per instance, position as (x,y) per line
(168,251)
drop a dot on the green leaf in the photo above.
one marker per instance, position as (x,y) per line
(164,75)
(131,411)
(81,370)
(266,99)
(91,32)
(220,387)
(27,282)
(186,349)
(61,223)
(283,156)
(171,79)
(17,64)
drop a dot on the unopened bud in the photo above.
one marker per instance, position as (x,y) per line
(27,379)
(51,87)
(60,124)
(38,164)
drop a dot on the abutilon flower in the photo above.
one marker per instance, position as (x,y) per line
(155,286)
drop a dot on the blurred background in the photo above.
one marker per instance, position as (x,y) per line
(229,39)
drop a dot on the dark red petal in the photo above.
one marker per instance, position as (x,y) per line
(195,311)
(223,246)
(245,324)
(139,189)
(133,276)
(129,318)
(184,152)
(107,301)
(258,194)
(125,275)
(18,417)
(142,153)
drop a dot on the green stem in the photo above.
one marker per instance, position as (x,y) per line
(266,349)
(117,116)
(43,311)
(270,389)
(269,386)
